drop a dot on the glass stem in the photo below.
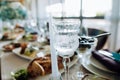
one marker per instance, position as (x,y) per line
(80,74)
(56,78)
(66,67)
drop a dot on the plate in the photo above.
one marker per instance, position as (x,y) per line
(45,77)
(39,53)
(98,65)
(11,36)
(92,77)
(87,64)
(17,52)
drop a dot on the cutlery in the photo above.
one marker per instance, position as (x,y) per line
(108,54)
(100,35)
(97,36)
(115,56)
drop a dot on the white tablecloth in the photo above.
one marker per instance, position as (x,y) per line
(11,62)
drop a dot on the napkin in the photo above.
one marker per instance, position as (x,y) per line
(109,63)
(113,55)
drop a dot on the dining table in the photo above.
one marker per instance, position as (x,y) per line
(11,62)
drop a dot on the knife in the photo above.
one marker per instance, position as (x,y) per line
(115,56)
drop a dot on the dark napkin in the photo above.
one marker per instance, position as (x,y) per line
(109,63)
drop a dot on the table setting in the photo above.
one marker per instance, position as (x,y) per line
(99,69)
(60,56)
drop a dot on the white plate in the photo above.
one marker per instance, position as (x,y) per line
(98,65)
(87,64)
(17,52)
(12,36)
(46,77)
(39,53)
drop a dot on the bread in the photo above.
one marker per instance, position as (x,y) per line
(9,47)
(35,69)
(19,29)
(23,47)
(42,66)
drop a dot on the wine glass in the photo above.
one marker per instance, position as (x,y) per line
(1,28)
(43,30)
(86,45)
(66,41)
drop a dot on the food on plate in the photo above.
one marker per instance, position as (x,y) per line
(29,51)
(20,74)
(42,66)
(18,29)
(11,46)
(85,43)
(8,36)
(31,36)
(5,36)
(37,67)
(23,47)
(12,34)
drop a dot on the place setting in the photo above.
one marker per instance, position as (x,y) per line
(78,50)
(103,64)
(69,47)
(35,43)
(40,67)
(37,55)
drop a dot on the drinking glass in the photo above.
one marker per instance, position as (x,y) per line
(86,45)
(83,30)
(66,41)
(43,30)
(1,28)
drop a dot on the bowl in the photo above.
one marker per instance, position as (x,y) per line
(101,40)
(87,43)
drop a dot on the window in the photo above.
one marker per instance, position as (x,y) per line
(93,12)
(90,8)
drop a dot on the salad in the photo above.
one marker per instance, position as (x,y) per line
(20,74)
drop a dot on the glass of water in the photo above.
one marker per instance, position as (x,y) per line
(66,41)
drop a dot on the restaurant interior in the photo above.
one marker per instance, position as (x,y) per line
(59,40)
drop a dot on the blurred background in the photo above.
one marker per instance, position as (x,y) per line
(97,14)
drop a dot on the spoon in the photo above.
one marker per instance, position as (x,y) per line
(100,35)
(97,36)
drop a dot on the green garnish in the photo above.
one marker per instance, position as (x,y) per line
(29,51)
(27,37)
(21,74)
(5,28)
